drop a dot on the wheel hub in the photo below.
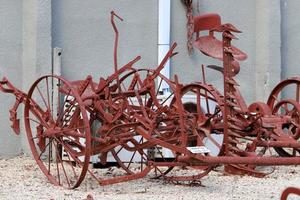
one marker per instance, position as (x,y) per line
(53,132)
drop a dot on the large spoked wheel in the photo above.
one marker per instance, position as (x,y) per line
(149,96)
(290,108)
(203,104)
(134,153)
(58,131)
(125,106)
(196,127)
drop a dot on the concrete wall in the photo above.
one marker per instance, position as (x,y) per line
(10,66)
(25,55)
(260,23)
(83,30)
(36,48)
(290,49)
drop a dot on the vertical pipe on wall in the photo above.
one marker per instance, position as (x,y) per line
(164,22)
(56,70)
(56,62)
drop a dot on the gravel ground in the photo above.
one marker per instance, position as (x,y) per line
(21,179)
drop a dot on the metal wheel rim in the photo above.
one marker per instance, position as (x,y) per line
(33,146)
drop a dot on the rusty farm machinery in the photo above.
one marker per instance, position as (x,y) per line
(69,123)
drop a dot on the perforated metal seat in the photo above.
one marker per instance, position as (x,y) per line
(209,44)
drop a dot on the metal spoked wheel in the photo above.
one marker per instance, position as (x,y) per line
(287,89)
(121,110)
(148,99)
(58,131)
(192,137)
(204,102)
(284,100)
(134,154)
(291,108)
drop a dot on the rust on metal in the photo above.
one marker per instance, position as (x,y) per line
(126,119)
(189,24)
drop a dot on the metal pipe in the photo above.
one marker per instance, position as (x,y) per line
(56,61)
(164,23)
(284,144)
(209,160)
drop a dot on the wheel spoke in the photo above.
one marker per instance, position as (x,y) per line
(49,156)
(43,151)
(69,149)
(200,115)
(43,98)
(130,161)
(64,171)
(35,121)
(39,117)
(166,99)
(48,97)
(57,166)
(160,153)
(119,150)
(159,85)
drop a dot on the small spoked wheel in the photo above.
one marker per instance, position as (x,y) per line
(284,100)
(58,131)
(289,108)
(287,89)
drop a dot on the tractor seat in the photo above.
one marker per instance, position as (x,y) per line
(208,44)
(212,47)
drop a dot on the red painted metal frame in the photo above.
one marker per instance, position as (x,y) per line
(261,124)
(288,191)
(69,122)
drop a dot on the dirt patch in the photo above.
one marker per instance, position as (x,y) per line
(22,179)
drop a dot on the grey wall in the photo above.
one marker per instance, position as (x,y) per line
(290,38)
(251,17)
(10,66)
(31,28)
(25,55)
(83,30)
(36,48)
(245,10)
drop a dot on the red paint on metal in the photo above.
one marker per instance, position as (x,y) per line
(67,123)
(288,191)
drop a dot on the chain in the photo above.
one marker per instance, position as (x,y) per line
(189,24)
